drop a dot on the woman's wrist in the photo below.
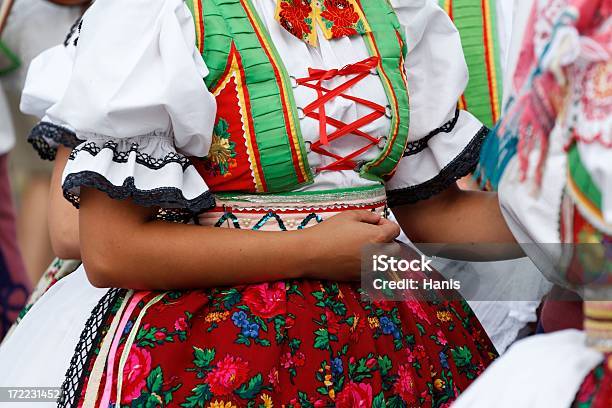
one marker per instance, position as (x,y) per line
(305,252)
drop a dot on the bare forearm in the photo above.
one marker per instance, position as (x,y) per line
(63,217)
(455,216)
(121,247)
(162,255)
(460,217)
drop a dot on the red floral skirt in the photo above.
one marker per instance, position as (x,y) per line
(297,343)
(294,343)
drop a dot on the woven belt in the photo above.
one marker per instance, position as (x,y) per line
(291,211)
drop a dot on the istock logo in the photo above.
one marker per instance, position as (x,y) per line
(386,263)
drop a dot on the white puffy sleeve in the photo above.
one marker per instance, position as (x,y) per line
(137,99)
(444,142)
(47,78)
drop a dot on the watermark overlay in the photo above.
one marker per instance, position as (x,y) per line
(486,272)
(29,394)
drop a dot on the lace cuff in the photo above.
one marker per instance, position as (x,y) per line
(46,137)
(454,167)
(146,169)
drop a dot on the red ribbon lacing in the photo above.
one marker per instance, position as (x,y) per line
(316,110)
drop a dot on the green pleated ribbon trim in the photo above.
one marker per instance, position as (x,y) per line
(581,178)
(226,22)
(388,43)
(476,22)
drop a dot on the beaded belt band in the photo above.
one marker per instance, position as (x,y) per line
(291,211)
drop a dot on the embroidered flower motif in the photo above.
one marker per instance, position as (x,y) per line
(341,17)
(295,17)
(444,316)
(336,366)
(443,360)
(227,375)
(267,401)
(273,377)
(404,386)
(357,328)
(373,322)
(441,337)
(388,327)
(355,395)
(221,404)
(217,317)
(418,354)
(181,324)
(289,361)
(337,18)
(333,322)
(240,319)
(135,374)
(266,300)
(222,154)
(250,330)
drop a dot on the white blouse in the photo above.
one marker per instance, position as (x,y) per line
(134,78)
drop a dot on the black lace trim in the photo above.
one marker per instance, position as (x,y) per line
(141,158)
(75,32)
(43,132)
(72,387)
(170,198)
(460,166)
(418,145)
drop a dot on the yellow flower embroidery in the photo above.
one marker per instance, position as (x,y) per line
(439,384)
(355,323)
(216,317)
(221,404)
(222,153)
(373,322)
(267,401)
(444,316)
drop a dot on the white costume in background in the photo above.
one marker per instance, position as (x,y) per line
(544,370)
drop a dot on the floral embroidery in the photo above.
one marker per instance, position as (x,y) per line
(337,18)
(299,344)
(341,18)
(227,375)
(135,373)
(222,155)
(296,17)
(221,404)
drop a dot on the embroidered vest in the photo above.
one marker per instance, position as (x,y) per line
(257,143)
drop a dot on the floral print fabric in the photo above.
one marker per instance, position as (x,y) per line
(293,344)
(337,18)
(596,389)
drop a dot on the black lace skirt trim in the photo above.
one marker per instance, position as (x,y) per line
(45,137)
(460,166)
(91,336)
(170,199)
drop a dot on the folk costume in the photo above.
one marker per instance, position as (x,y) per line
(266,115)
(554,179)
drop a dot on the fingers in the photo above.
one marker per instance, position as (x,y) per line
(366,216)
(390,230)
